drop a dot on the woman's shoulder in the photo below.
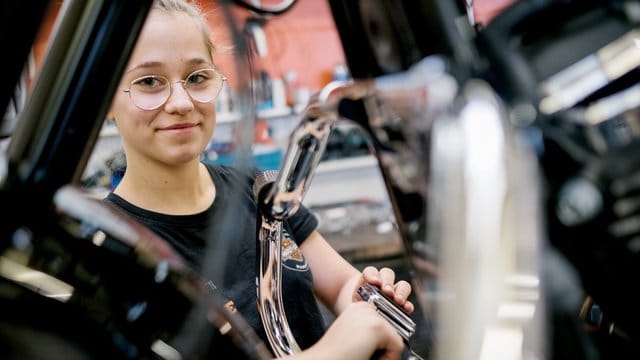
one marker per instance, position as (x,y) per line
(227,173)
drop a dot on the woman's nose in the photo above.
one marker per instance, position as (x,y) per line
(179,99)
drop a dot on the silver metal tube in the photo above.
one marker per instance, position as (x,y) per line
(270,305)
(306,145)
(269,288)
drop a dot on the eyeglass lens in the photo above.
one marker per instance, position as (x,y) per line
(150,92)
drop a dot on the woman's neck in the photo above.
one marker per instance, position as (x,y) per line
(174,190)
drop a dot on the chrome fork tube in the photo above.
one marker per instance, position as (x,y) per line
(269,278)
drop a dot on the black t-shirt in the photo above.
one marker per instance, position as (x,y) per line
(232,218)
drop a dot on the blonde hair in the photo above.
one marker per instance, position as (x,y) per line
(195,12)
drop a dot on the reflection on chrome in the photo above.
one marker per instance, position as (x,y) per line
(483,213)
(37,281)
(269,277)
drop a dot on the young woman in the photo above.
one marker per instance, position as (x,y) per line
(165,112)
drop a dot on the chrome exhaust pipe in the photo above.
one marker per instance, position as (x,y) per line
(269,275)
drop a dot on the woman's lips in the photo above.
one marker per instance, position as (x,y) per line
(178,127)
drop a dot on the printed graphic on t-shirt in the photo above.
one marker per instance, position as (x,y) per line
(292,257)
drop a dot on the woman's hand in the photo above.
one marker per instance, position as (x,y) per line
(336,281)
(385,280)
(356,334)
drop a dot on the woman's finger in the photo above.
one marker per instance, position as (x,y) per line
(388,277)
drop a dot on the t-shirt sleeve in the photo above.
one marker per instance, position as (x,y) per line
(302,224)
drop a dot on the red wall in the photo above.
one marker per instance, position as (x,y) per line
(304,39)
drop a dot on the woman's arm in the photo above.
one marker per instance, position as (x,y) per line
(336,280)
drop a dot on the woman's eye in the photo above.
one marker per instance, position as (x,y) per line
(150,82)
(200,77)
(196,79)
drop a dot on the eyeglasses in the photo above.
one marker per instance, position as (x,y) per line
(152,91)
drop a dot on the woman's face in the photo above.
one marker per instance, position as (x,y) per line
(170,45)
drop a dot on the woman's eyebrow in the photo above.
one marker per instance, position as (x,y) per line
(145,65)
(198,61)
(155,64)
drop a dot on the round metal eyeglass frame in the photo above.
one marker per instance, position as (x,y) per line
(183,82)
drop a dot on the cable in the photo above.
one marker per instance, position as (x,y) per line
(276,9)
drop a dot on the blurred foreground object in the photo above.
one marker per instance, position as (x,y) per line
(503,145)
